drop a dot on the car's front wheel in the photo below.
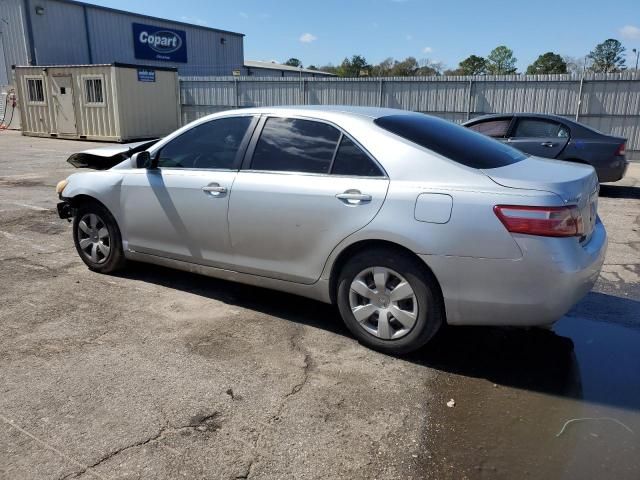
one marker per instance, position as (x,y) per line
(97,238)
(388,301)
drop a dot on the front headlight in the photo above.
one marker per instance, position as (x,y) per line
(61,186)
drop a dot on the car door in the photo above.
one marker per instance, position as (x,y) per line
(179,210)
(540,137)
(305,186)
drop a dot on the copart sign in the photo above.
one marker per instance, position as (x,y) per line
(159,43)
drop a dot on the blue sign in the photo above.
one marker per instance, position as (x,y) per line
(146,75)
(159,43)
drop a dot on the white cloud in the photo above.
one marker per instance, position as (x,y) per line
(307,38)
(427,50)
(244,14)
(630,32)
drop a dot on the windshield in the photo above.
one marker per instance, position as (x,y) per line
(452,141)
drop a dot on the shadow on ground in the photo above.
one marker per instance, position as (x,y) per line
(620,191)
(533,359)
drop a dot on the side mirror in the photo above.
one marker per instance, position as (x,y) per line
(141,160)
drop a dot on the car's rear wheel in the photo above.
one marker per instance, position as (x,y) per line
(388,301)
(97,238)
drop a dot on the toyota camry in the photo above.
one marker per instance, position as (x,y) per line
(404,221)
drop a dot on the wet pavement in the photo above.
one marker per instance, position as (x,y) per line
(550,404)
(154,373)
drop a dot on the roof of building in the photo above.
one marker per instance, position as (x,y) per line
(279,66)
(91,65)
(149,17)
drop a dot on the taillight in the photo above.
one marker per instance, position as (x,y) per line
(544,221)
(622,149)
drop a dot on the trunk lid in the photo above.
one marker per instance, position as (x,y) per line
(576,184)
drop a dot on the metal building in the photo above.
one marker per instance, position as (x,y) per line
(272,69)
(116,102)
(66,32)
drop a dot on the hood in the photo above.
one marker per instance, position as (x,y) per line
(103,158)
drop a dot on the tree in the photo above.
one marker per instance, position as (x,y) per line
(608,56)
(501,61)
(312,67)
(383,69)
(547,63)
(472,65)
(575,66)
(329,68)
(453,71)
(429,68)
(406,68)
(355,66)
(294,62)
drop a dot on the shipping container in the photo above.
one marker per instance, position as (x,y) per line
(110,102)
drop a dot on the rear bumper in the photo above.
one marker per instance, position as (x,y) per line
(614,171)
(537,289)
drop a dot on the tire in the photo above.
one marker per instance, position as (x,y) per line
(97,238)
(392,336)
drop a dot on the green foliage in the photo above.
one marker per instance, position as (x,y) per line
(607,57)
(501,61)
(472,65)
(547,63)
(356,66)
(294,62)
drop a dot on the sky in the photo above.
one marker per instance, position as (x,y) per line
(326,31)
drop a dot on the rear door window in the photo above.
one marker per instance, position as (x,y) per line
(295,145)
(351,160)
(492,128)
(452,141)
(538,128)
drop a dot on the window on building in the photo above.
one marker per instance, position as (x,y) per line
(93,91)
(35,90)
(351,160)
(295,145)
(214,144)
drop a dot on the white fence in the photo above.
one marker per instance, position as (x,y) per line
(607,102)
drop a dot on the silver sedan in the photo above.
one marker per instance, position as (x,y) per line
(402,220)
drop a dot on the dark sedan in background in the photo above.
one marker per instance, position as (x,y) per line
(556,137)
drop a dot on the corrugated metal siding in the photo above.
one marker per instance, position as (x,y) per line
(147,109)
(35,118)
(111,41)
(610,102)
(94,121)
(60,38)
(12,29)
(59,34)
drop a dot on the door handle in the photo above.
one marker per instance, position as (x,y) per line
(547,144)
(354,197)
(214,189)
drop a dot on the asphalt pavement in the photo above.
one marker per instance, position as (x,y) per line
(155,373)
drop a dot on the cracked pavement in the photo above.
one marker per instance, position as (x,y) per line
(155,373)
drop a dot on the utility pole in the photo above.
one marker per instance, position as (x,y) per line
(637,52)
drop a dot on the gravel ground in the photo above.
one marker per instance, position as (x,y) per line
(155,373)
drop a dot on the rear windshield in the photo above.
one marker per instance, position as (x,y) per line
(452,141)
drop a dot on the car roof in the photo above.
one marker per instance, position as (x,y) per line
(324,110)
